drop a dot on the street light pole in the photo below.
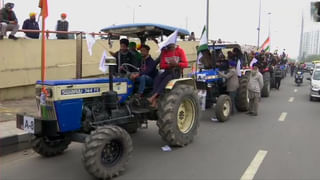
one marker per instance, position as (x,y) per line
(134,13)
(259,25)
(269,27)
(207,19)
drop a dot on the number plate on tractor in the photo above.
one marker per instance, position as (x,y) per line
(28,124)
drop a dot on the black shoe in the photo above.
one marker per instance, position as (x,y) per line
(249,113)
(1,37)
(253,114)
(12,37)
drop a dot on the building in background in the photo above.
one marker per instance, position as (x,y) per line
(310,44)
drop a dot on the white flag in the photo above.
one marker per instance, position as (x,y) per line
(239,68)
(254,60)
(172,39)
(102,66)
(90,42)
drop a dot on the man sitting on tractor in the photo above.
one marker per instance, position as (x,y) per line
(148,71)
(125,56)
(173,60)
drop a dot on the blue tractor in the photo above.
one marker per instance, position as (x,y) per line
(209,80)
(101,112)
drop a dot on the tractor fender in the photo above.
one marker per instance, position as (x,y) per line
(189,81)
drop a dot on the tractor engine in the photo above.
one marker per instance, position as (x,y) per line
(104,110)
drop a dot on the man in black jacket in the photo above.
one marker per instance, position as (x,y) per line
(8,22)
(62,25)
(32,24)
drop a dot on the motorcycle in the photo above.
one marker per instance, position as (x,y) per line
(298,78)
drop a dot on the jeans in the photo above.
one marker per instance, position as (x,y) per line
(144,81)
(233,95)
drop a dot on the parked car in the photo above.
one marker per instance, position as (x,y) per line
(315,84)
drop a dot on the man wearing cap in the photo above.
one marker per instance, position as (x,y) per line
(62,25)
(133,50)
(232,83)
(254,86)
(8,21)
(32,24)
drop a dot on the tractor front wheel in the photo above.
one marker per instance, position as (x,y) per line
(50,146)
(107,151)
(223,108)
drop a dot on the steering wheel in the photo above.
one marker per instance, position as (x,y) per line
(125,67)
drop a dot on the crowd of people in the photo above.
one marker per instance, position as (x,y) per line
(143,68)
(9,22)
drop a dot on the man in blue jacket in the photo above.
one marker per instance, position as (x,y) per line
(148,70)
(31,24)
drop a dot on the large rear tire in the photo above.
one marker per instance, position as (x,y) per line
(107,151)
(265,92)
(223,108)
(50,146)
(242,100)
(179,114)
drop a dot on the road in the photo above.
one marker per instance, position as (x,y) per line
(281,143)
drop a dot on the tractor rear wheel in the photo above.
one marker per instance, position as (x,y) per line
(179,114)
(265,92)
(242,100)
(106,152)
(50,146)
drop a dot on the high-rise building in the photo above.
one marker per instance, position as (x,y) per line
(310,44)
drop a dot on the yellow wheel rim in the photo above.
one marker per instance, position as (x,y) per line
(226,108)
(186,115)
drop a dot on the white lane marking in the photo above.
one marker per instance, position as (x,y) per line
(283,116)
(254,165)
(295,90)
(291,99)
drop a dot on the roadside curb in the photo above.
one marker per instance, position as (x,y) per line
(11,144)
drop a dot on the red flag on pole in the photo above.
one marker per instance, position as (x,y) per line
(43,4)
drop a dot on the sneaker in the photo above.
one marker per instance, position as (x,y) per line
(12,37)
(1,37)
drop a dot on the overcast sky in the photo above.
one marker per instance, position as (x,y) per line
(231,20)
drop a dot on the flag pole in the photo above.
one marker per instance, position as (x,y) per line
(43,51)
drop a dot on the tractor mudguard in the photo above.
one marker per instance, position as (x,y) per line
(188,81)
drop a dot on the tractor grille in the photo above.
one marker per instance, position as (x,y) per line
(47,111)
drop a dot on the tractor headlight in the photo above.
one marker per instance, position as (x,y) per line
(39,90)
(49,92)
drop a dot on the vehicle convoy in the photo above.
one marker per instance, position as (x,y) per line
(101,112)
(314,85)
(209,80)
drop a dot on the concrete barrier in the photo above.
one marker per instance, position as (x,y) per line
(21,62)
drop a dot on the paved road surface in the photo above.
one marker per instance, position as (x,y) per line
(262,147)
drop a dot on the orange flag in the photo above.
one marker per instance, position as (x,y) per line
(43,4)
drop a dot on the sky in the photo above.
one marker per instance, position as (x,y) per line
(230,20)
